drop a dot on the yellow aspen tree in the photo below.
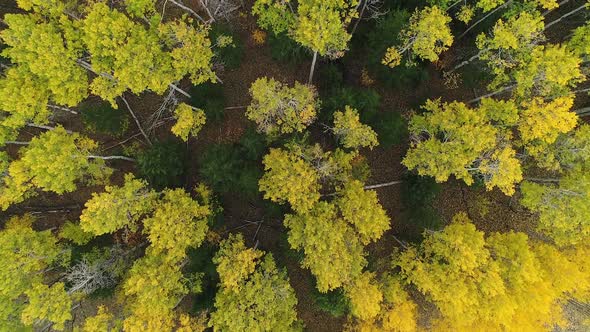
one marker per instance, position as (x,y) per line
(365,296)
(541,122)
(279,109)
(118,207)
(100,322)
(154,286)
(235,262)
(509,41)
(427,35)
(274,15)
(289,178)
(324,237)
(189,121)
(351,133)
(562,205)
(580,41)
(177,223)
(503,282)
(453,139)
(568,150)
(255,295)
(361,209)
(47,303)
(25,254)
(397,313)
(54,161)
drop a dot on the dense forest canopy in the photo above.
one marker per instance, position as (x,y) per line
(291,165)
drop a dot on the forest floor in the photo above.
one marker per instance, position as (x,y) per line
(490,211)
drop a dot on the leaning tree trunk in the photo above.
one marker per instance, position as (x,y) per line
(483,18)
(564,16)
(315,58)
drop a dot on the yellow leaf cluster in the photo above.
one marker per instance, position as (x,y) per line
(189,121)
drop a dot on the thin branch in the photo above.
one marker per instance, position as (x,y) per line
(136,121)
(17,142)
(45,127)
(189,10)
(483,18)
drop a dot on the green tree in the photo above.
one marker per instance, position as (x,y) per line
(258,297)
(427,35)
(279,109)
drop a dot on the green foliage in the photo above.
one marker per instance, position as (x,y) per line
(233,167)
(201,261)
(75,233)
(101,117)
(231,55)
(378,41)
(418,194)
(390,126)
(163,164)
(273,15)
(286,50)
(333,302)
(209,97)
(366,101)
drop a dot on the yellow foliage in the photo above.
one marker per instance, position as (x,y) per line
(351,132)
(189,121)
(235,262)
(392,57)
(365,296)
(258,36)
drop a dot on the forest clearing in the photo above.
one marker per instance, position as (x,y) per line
(294,165)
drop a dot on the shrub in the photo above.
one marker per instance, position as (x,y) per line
(231,55)
(418,193)
(285,49)
(333,302)
(234,167)
(366,101)
(163,164)
(101,117)
(201,262)
(384,35)
(391,128)
(209,97)
(330,76)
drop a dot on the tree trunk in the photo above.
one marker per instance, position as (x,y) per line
(483,18)
(180,90)
(510,87)
(111,158)
(45,127)
(558,6)
(17,142)
(582,111)
(315,57)
(136,121)
(356,24)
(564,16)
(381,185)
(466,62)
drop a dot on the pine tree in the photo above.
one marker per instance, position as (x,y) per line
(255,295)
